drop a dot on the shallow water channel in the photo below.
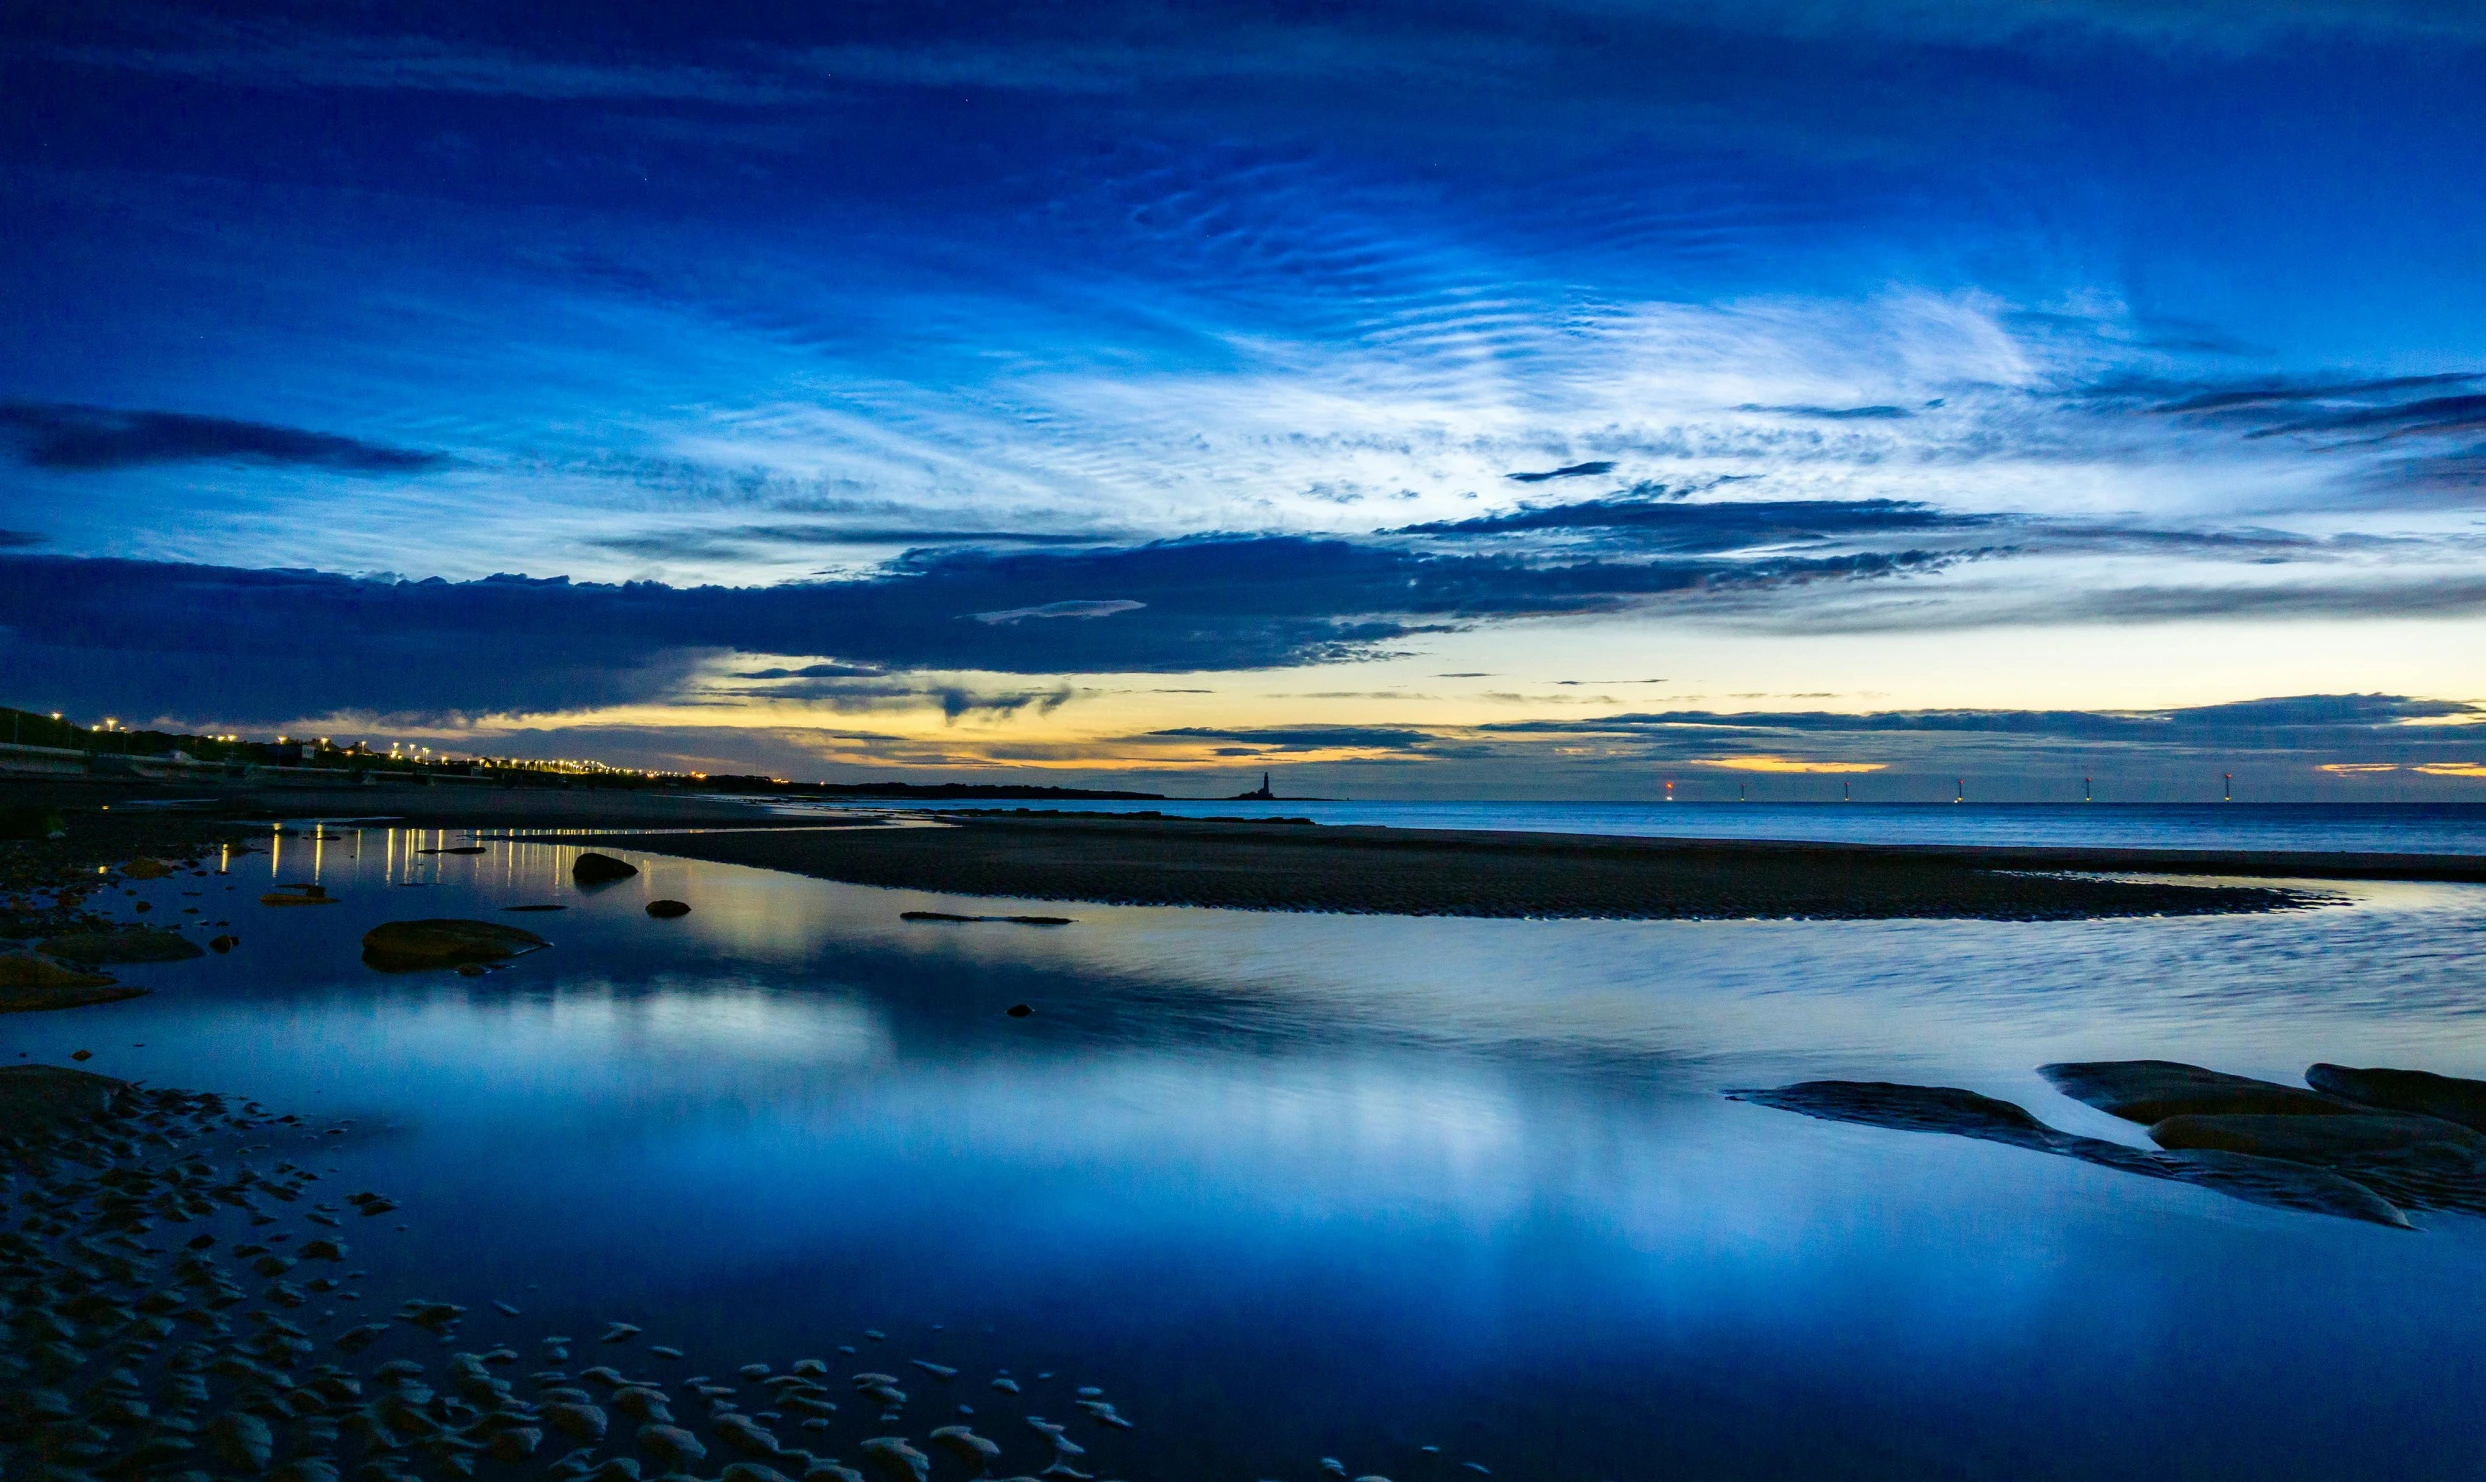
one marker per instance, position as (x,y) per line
(1295,1187)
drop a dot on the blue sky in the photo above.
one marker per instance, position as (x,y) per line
(1416,397)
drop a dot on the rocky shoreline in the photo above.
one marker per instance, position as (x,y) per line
(2365,1144)
(235,1352)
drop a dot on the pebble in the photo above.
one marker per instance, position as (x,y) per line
(975,1450)
(619,1332)
(1006,1385)
(671,1444)
(938,1371)
(894,1457)
(745,1436)
(663,1351)
(505,1309)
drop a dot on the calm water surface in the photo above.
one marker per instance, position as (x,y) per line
(2410,828)
(1288,1187)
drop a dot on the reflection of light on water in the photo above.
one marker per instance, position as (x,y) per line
(703,1015)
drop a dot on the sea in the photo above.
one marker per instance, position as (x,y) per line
(1306,1196)
(2389,828)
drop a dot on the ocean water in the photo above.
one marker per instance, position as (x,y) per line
(2412,828)
(1293,1187)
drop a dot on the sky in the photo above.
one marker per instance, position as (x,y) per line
(1550,398)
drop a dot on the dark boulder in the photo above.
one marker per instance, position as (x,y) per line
(667,910)
(600,869)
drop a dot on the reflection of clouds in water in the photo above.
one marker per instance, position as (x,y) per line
(1745,987)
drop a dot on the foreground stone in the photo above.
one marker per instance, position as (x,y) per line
(600,869)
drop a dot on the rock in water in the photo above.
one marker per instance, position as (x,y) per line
(600,869)
(2416,1091)
(2147,1091)
(31,983)
(1962,1113)
(143,868)
(140,944)
(21,970)
(667,910)
(896,1460)
(410,946)
(299,895)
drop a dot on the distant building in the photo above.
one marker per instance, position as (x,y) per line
(1261,795)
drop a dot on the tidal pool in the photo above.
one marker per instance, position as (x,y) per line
(1295,1187)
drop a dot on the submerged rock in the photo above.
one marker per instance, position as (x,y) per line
(600,869)
(408,946)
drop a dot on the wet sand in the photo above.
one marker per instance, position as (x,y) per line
(1425,872)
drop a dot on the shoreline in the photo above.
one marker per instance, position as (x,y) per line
(1236,864)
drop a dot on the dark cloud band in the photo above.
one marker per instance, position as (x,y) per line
(64,437)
